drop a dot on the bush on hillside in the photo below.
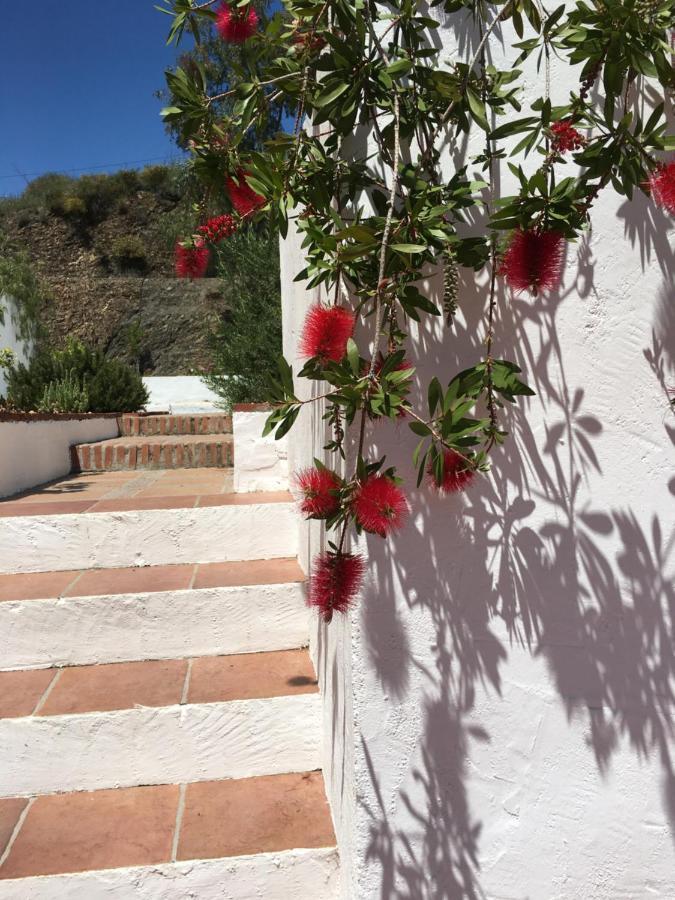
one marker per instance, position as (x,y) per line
(129,254)
(246,344)
(110,385)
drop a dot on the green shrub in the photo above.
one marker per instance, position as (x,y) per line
(128,253)
(67,395)
(98,193)
(71,206)
(247,342)
(18,280)
(111,386)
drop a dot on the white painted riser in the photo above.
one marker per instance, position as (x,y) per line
(148,537)
(162,625)
(300,874)
(171,744)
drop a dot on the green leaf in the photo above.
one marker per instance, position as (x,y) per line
(408,248)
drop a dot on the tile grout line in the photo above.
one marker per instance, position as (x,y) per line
(179,822)
(193,577)
(15,832)
(186,683)
(50,688)
(72,584)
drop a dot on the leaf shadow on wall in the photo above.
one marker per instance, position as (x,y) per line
(522,559)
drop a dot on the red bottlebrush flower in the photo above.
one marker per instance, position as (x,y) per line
(457,474)
(319,492)
(243,198)
(236,25)
(218,228)
(192,262)
(326,332)
(534,260)
(566,137)
(662,186)
(335,582)
(380,505)
(305,40)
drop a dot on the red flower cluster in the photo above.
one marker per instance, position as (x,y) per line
(380,505)
(662,186)
(456,473)
(306,41)
(319,489)
(335,582)
(566,137)
(218,228)
(192,262)
(236,25)
(243,198)
(326,332)
(534,260)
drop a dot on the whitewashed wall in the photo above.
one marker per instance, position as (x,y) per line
(32,453)
(9,337)
(499,709)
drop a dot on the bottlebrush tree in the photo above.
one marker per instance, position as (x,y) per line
(376,222)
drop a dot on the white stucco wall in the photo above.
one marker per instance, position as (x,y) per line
(498,709)
(9,337)
(180,394)
(34,452)
(260,463)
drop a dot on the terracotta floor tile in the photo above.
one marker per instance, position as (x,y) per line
(257,571)
(249,676)
(10,810)
(20,691)
(133,503)
(135,580)
(59,508)
(83,689)
(35,585)
(177,489)
(95,830)
(255,815)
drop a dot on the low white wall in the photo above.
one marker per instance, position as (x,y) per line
(260,463)
(180,394)
(34,452)
(9,337)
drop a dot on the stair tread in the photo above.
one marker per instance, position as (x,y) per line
(147,579)
(78,690)
(134,490)
(137,826)
(139,440)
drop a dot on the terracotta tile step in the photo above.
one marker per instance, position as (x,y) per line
(140,826)
(77,690)
(155,452)
(168,424)
(37,506)
(147,579)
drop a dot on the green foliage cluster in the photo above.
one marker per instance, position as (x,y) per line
(247,341)
(378,213)
(67,395)
(19,281)
(129,253)
(91,198)
(69,375)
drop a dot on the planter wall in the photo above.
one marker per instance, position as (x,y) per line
(35,449)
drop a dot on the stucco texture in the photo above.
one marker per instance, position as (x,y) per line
(499,708)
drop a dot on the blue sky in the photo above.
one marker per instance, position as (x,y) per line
(76,86)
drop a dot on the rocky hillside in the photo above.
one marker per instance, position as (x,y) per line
(107,264)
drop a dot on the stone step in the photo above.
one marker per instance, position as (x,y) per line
(163,424)
(236,839)
(77,618)
(178,720)
(154,452)
(38,535)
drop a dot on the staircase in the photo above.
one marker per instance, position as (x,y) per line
(160,728)
(160,442)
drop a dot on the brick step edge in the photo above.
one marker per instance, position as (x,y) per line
(147,425)
(170,455)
